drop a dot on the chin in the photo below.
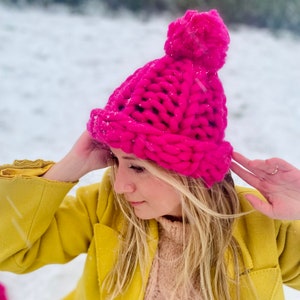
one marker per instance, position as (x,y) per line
(145,216)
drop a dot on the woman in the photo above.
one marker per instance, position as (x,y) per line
(166,221)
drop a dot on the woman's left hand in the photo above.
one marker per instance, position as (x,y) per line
(277,180)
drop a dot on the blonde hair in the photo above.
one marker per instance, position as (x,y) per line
(210,214)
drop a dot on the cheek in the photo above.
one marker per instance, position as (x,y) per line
(166,193)
(156,190)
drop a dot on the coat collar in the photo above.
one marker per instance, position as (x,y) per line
(107,241)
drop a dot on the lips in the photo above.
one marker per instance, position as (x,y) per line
(134,204)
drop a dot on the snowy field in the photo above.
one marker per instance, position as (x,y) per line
(55,67)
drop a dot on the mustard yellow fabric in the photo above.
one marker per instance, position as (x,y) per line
(25,168)
(40,224)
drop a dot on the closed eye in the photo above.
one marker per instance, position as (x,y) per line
(137,169)
(128,161)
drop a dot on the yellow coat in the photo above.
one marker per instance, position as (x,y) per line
(40,225)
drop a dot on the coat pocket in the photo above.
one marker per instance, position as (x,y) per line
(265,284)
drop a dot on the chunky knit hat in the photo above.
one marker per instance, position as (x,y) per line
(172,110)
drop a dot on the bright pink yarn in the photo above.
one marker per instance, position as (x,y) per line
(2,292)
(173,110)
(201,37)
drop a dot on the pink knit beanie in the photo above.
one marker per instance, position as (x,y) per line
(172,111)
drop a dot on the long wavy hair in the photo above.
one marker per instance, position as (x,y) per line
(210,215)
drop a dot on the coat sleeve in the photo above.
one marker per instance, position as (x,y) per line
(41,224)
(288,243)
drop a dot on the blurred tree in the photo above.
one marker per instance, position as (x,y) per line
(273,14)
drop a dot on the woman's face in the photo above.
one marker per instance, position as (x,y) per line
(149,196)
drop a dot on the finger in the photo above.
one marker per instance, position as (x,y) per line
(246,162)
(261,167)
(261,206)
(268,166)
(282,164)
(247,176)
(240,159)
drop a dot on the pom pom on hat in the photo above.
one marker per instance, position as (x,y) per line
(201,37)
(172,110)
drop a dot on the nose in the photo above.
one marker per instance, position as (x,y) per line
(123,184)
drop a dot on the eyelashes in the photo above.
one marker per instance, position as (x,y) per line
(113,160)
(137,169)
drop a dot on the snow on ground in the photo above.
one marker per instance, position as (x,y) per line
(55,67)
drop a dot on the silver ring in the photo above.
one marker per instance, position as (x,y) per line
(275,171)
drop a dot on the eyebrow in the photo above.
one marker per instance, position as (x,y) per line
(125,156)
(128,158)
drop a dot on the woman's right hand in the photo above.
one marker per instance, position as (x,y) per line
(86,155)
(277,180)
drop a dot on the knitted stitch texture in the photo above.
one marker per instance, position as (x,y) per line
(166,264)
(2,292)
(173,110)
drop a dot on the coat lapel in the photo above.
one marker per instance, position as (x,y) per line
(107,242)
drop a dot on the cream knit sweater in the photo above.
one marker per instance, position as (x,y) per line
(165,266)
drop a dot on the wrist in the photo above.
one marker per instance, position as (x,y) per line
(67,170)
